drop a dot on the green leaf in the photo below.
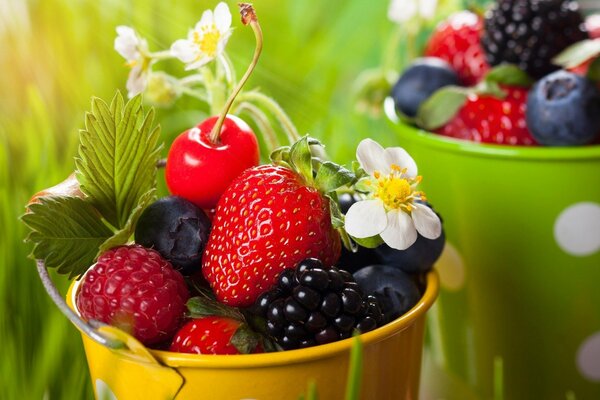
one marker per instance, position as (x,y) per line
(280,154)
(301,158)
(364,185)
(203,306)
(354,379)
(331,176)
(245,339)
(66,232)
(122,236)
(509,74)
(441,107)
(578,53)
(118,151)
(370,242)
(593,73)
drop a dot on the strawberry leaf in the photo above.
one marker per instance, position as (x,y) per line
(245,339)
(201,306)
(593,73)
(510,75)
(301,158)
(578,53)
(441,107)
(331,176)
(66,232)
(370,242)
(118,151)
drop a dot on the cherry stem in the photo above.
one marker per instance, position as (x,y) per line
(248,18)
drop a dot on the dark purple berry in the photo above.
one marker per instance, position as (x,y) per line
(327,335)
(331,305)
(177,229)
(315,322)
(344,322)
(286,280)
(351,301)
(366,324)
(308,297)
(316,278)
(293,311)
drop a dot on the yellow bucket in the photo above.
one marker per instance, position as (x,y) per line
(391,365)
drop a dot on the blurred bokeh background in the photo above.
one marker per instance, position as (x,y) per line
(56,54)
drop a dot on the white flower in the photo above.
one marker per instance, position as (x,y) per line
(207,40)
(401,11)
(393,208)
(134,49)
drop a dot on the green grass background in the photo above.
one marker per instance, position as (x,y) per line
(56,54)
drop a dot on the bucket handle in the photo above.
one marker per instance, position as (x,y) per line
(91,328)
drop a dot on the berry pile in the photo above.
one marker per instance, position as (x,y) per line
(506,92)
(240,258)
(312,305)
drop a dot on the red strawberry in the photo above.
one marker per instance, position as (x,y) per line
(488,119)
(215,335)
(266,221)
(134,288)
(457,41)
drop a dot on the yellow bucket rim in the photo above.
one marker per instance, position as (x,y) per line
(287,357)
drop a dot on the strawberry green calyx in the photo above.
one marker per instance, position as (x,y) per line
(445,103)
(325,176)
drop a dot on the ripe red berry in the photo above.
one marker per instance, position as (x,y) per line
(134,288)
(457,41)
(200,170)
(267,220)
(210,335)
(488,119)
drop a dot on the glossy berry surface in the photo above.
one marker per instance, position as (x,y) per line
(266,221)
(394,289)
(134,288)
(200,170)
(563,109)
(529,33)
(312,305)
(488,119)
(177,229)
(208,335)
(419,81)
(457,41)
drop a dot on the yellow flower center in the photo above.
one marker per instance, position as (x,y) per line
(396,190)
(209,41)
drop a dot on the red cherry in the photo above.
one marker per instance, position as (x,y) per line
(200,170)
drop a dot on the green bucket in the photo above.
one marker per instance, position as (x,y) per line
(520,275)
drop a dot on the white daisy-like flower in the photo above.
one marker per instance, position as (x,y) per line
(393,207)
(134,49)
(401,11)
(207,40)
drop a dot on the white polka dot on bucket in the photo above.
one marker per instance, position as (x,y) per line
(577,229)
(588,358)
(103,391)
(451,268)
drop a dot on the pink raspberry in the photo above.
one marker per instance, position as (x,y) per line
(135,289)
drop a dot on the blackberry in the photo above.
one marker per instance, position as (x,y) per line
(529,33)
(312,305)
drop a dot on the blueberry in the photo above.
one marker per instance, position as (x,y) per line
(419,81)
(418,258)
(395,290)
(177,229)
(563,109)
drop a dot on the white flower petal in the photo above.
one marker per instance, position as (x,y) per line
(400,232)
(185,50)
(427,222)
(126,43)
(365,219)
(427,8)
(401,11)
(136,82)
(202,60)
(371,157)
(222,17)
(206,20)
(401,158)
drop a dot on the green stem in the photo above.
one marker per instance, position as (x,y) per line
(262,122)
(193,93)
(161,55)
(192,79)
(248,18)
(229,69)
(355,370)
(390,60)
(284,120)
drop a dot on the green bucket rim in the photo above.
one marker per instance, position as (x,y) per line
(474,149)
